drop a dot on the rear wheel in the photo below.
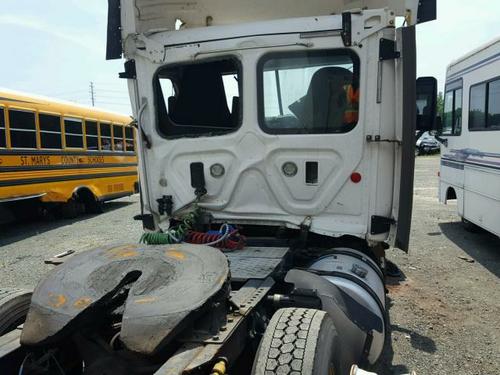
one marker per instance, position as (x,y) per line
(14,306)
(298,341)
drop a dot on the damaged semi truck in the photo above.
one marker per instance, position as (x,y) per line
(276,167)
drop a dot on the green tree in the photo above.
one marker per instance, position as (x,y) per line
(440,104)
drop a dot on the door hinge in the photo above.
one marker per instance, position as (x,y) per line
(387,50)
(377,138)
(346,32)
(381,224)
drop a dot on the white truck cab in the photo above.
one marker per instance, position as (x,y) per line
(293,114)
(290,127)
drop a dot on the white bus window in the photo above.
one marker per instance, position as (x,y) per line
(73,132)
(457,112)
(91,135)
(477,107)
(309,92)
(22,129)
(494,104)
(3,140)
(50,131)
(452,112)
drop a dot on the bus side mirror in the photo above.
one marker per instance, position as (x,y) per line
(426,103)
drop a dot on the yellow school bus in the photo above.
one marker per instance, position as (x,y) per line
(69,157)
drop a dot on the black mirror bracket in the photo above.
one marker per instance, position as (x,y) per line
(443,141)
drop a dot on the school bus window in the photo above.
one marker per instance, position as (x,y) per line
(91,135)
(105,136)
(129,138)
(50,131)
(73,132)
(3,142)
(22,129)
(117,137)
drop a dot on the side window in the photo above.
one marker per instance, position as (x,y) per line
(117,137)
(73,132)
(22,129)
(50,131)
(129,138)
(477,107)
(493,121)
(484,106)
(3,140)
(199,99)
(452,113)
(448,113)
(105,136)
(91,135)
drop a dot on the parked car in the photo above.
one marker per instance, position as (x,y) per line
(427,144)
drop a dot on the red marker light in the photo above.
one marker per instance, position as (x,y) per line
(355,177)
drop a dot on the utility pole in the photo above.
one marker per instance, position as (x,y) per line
(92,92)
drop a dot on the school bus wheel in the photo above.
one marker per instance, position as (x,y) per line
(90,201)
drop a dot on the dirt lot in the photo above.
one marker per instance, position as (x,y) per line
(445,311)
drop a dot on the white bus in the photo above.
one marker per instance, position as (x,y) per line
(470,161)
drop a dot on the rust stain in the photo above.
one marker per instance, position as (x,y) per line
(145,300)
(179,255)
(57,300)
(123,252)
(83,302)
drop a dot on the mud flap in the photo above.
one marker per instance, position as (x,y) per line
(407,77)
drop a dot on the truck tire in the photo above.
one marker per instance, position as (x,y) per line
(298,341)
(14,306)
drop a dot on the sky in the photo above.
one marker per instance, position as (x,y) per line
(57,47)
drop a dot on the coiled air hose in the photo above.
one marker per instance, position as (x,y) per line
(226,237)
(173,235)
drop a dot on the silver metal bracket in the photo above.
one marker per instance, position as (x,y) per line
(139,44)
(377,138)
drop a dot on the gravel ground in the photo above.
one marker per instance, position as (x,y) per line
(444,311)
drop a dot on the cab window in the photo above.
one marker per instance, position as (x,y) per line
(314,92)
(201,99)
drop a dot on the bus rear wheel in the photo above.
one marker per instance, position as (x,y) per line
(298,341)
(71,209)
